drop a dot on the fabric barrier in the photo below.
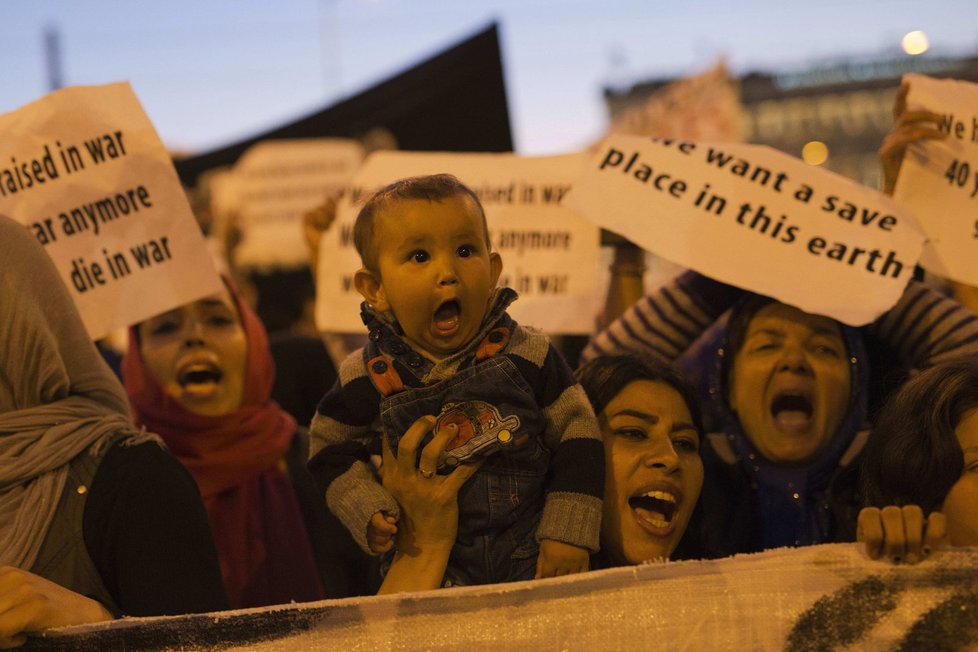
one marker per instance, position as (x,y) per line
(827,597)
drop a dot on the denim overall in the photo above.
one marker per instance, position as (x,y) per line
(498,419)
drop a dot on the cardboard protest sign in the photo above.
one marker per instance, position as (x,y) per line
(939,179)
(84,170)
(550,253)
(754,217)
(276,182)
(826,597)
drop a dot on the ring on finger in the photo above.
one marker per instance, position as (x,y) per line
(427,475)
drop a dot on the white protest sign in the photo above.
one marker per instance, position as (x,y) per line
(220,186)
(550,253)
(939,179)
(85,171)
(278,181)
(754,217)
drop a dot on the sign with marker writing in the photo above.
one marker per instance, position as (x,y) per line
(84,170)
(276,182)
(939,179)
(754,217)
(550,253)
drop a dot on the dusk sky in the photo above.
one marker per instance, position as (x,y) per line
(211,72)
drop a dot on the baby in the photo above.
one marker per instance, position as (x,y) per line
(441,343)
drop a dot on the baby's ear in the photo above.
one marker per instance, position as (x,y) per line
(495,266)
(371,289)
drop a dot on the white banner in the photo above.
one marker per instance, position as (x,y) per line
(550,253)
(754,217)
(85,171)
(824,598)
(939,179)
(276,182)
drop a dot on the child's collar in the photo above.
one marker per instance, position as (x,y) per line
(381,325)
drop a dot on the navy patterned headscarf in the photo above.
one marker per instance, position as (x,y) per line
(787,498)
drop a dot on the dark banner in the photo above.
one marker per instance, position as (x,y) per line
(453,102)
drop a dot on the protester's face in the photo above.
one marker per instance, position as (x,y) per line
(653,472)
(790,383)
(961,503)
(197,354)
(435,272)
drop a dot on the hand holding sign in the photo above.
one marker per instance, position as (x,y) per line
(908,127)
(939,177)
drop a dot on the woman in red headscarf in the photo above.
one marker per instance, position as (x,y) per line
(201,376)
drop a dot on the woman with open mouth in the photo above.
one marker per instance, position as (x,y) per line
(786,402)
(201,375)
(650,428)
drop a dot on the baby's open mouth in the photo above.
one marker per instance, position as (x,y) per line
(199,373)
(657,507)
(448,315)
(792,410)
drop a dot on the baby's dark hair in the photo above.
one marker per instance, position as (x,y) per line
(604,377)
(913,456)
(432,187)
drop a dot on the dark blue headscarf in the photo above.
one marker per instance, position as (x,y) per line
(787,499)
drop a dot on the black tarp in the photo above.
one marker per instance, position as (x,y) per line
(454,102)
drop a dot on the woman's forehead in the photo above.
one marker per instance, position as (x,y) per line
(779,317)
(646,399)
(216,301)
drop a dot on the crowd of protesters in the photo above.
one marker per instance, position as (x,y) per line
(457,446)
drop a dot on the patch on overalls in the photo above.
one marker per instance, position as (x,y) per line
(481,432)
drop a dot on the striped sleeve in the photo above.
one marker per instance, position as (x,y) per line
(925,327)
(342,429)
(572,513)
(664,323)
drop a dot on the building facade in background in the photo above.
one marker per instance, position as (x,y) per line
(845,106)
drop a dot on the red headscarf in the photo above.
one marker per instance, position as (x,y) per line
(237,460)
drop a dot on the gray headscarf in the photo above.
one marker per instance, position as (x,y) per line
(58,398)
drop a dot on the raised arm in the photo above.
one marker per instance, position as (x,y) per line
(665,322)
(925,327)
(341,430)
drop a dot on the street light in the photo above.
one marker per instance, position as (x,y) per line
(915,43)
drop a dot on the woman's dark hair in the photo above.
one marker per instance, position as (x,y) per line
(604,377)
(740,320)
(913,456)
